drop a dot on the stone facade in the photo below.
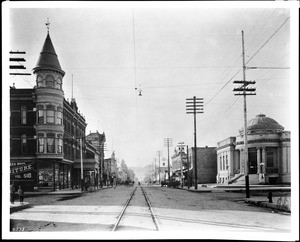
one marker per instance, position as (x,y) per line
(45,131)
(268,154)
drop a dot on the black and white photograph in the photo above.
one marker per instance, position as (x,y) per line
(150,120)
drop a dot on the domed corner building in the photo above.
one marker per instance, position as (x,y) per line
(268,154)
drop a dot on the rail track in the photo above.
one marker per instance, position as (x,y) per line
(137,213)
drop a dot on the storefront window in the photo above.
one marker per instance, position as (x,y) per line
(45,174)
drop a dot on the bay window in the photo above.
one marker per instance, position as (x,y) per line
(41,143)
(50,143)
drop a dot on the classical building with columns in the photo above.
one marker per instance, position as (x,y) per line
(268,154)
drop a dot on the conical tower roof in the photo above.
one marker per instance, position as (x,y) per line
(48,57)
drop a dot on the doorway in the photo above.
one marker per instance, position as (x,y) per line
(252,156)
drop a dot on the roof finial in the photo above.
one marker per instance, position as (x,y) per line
(47,24)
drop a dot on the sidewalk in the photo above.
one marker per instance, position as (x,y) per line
(258,200)
(264,202)
(16,206)
(66,191)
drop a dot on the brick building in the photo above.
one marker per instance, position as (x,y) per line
(45,129)
(206,164)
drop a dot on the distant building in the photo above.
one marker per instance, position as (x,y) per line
(98,140)
(45,131)
(179,164)
(110,171)
(206,164)
(268,154)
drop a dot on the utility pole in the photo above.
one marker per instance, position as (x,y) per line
(180,145)
(158,152)
(81,165)
(168,143)
(102,148)
(155,169)
(243,90)
(193,106)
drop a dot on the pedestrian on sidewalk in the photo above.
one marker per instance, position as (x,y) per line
(21,194)
(12,193)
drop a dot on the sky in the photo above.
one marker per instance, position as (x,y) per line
(170,53)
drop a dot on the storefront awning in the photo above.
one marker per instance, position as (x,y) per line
(88,164)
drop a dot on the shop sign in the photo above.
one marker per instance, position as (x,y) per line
(21,170)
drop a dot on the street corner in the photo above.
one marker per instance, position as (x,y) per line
(15,207)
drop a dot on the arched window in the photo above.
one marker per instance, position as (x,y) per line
(40,81)
(58,83)
(50,81)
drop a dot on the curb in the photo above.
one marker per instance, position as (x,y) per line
(191,190)
(268,205)
(33,194)
(19,208)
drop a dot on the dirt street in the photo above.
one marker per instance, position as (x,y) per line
(175,210)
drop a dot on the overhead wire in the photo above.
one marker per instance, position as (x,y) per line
(255,39)
(22,76)
(216,116)
(267,41)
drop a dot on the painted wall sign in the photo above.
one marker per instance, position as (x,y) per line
(22,170)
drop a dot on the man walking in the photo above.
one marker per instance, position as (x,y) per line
(21,195)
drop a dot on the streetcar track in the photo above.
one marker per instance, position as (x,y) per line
(123,210)
(121,216)
(151,210)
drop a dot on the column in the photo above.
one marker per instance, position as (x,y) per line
(68,177)
(258,160)
(264,160)
(53,175)
(242,161)
(63,170)
(59,183)
(285,159)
